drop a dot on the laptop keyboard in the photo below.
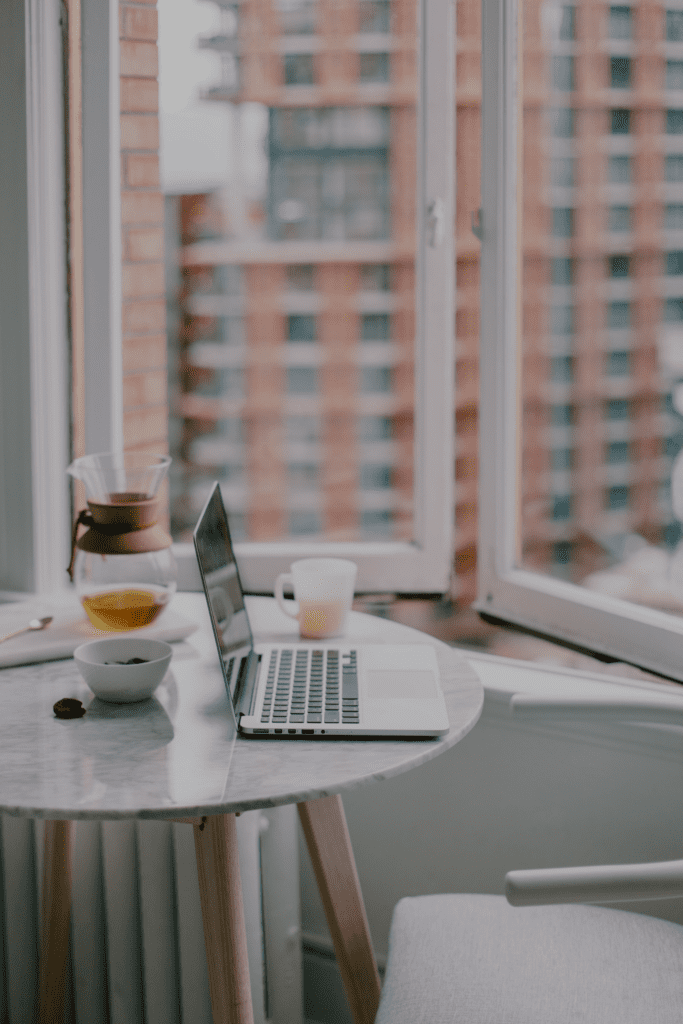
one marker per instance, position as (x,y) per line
(311,687)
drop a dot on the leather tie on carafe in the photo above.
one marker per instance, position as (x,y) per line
(129,515)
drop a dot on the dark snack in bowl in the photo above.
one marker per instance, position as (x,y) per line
(69,707)
(131,661)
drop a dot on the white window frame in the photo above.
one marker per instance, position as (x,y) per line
(583,618)
(34,512)
(425,565)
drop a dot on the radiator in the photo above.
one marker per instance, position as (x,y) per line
(137,943)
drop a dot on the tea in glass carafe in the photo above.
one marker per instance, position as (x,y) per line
(122,565)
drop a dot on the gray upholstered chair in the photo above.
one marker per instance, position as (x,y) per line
(476,959)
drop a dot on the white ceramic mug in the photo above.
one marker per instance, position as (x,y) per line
(323,592)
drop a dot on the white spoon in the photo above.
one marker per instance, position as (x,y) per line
(33,624)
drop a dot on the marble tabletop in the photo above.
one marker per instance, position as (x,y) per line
(176,755)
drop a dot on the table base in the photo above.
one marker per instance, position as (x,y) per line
(329,846)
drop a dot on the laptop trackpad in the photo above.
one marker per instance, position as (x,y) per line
(401,684)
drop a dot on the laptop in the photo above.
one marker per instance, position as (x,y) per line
(331,688)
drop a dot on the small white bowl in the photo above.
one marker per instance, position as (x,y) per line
(99,663)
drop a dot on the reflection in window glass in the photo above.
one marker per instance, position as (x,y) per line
(297,17)
(375,477)
(375,327)
(301,327)
(601,306)
(374,15)
(375,378)
(375,428)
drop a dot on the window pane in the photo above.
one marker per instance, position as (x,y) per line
(291,234)
(602,319)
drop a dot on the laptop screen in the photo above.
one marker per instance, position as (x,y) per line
(221,581)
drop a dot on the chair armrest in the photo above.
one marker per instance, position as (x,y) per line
(554,709)
(610,883)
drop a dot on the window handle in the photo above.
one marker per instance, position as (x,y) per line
(435,223)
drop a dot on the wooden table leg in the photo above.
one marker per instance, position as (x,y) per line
(55,917)
(329,845)
(225,936)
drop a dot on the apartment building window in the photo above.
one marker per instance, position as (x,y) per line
(375,277)
(618,364)
(620,23)
(303,429)
(619,170)
(616,409)
(561,506)
(374,379)
(620,72)
(568,23)
(562,369)
(302,380)
(562,72)
(373,68)
(298,69)
(618,315)
(674,122)
(304,523)
(303,475)
(375,477)
(300,277)
(374,16)
(673,216)
(674,262)
(297,17)
(562,270)
(562,122)
(375,428)
(674,74)
(562,319)
(562,171)
(375,327)
(562,222)
(617,498)
(673,311)
(620,122)
(673,167)
(619,218)
(301,327)
(376,521)
(619,266)
(562,415)
(562,459)
(674,26)
(617,452)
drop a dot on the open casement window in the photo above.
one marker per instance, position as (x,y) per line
(582,328)
(34,314)
(314,315)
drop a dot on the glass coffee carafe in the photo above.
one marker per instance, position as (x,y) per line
(122,565)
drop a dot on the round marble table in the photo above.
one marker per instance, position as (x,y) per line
(177,757)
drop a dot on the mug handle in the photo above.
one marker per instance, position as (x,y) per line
(283,578)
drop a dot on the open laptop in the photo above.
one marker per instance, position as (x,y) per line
(311,688)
